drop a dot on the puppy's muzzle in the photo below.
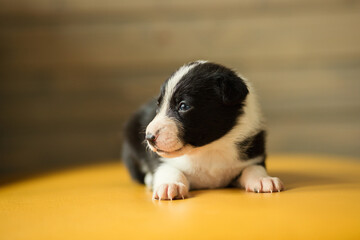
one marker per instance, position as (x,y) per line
(151,139)
(162,135)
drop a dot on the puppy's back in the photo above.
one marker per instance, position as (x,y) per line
(135,156)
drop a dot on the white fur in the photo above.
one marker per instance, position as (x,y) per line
(169,183)
(148,180)
(255,179)
(171,84)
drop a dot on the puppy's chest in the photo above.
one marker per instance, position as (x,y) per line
(210,170)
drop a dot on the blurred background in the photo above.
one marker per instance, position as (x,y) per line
(72,71)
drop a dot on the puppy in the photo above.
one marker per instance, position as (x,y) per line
(204,131)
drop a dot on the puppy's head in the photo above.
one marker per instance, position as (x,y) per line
(197,105)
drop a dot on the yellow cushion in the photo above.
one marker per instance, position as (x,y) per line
(322,201)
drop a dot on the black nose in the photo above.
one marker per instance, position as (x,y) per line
(150,138)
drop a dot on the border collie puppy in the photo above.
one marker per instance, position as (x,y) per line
(204,130)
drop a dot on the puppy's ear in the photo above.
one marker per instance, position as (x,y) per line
(233,89)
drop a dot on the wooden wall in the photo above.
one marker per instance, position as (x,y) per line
(72,71)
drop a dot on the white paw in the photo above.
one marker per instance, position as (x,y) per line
(170,191)
(264,185)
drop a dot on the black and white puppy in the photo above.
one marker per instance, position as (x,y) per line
(205,131)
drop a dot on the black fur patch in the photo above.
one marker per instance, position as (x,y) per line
(250,148)
(253,146)
(135,155)
(215,95)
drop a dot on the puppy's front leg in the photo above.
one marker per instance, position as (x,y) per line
(255,179)
(169,183)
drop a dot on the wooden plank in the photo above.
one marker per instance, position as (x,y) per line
(37,83)
(322,90)
(29,151)
(155,10)
(62,107)
(257,42)
(301,89)
(322,137)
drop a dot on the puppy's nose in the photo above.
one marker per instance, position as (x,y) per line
(151,138)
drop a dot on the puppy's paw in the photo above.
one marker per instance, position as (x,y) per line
(264,185)
(170,191)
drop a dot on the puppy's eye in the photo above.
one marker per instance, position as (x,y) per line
(183,107)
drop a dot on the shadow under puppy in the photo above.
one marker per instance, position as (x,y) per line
(205,131)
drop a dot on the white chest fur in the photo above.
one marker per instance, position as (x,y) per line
(210,168)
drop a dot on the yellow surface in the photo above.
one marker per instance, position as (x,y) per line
(100,202)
